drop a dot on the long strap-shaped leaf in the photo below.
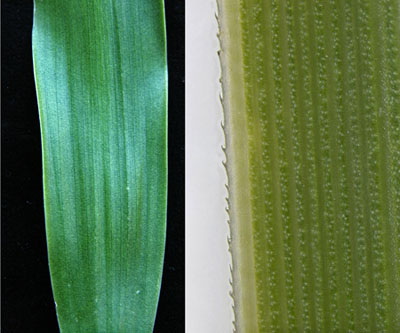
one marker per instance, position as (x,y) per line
(312,109)
(100,68)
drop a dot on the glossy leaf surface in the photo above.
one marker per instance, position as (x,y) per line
(100,69)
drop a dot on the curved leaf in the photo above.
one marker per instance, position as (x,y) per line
(100,69)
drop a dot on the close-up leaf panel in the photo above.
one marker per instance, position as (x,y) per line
(311,96)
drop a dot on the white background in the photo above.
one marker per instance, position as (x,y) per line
(208,305)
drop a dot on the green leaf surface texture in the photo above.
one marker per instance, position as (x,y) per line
(311,95)
(101,80)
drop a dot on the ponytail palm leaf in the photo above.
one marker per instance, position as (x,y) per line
(100,69)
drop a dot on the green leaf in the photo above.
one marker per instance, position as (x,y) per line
(312,118)
(100,69)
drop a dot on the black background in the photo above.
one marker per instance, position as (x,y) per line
(26,303)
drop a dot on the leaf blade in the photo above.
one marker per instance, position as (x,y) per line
(100,70)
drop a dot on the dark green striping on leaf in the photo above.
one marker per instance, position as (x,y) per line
(100,69)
